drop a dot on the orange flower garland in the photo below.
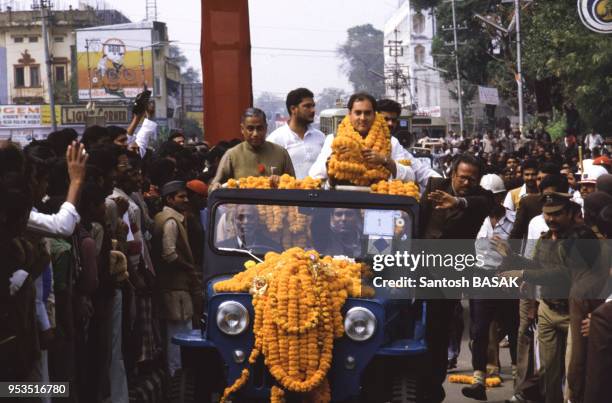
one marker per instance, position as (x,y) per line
(469,380)
(396,187)
(350,165)
(297,298)
(274,216)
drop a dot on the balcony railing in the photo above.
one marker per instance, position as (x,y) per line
(28,93)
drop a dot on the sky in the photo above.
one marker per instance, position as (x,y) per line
(293,42)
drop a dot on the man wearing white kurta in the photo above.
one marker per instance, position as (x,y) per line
(303,143)
(362,114)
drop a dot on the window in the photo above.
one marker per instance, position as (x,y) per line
(19,39)
(418,23)
(419,54)
(60,74)
(34,76)
(33,39)
(59,39)
(19,76)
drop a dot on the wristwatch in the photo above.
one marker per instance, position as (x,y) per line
(461,202)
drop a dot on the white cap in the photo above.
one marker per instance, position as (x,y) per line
(591,174)
(493,183)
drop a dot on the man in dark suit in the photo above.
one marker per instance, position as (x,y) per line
(451,208)
(249,232)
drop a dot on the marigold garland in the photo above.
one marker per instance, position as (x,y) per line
(350,165)
(297,297)
(469,380)
(277,218)
(397,187)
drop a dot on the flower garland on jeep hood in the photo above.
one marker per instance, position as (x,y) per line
(297,297)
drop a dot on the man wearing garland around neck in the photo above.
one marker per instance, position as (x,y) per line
(363,120)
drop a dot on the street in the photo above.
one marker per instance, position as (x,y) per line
(464,367)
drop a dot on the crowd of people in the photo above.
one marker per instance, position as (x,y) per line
(102,242)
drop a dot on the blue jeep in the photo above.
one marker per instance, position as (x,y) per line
(382,354)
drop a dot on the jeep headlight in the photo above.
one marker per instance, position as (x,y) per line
(232,318)
(359,324)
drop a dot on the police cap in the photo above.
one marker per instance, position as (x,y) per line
(555,201)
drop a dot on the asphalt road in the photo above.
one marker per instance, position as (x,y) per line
(464,367)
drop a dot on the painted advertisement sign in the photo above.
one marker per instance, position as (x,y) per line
(78,114)
(19,115)
(113,64)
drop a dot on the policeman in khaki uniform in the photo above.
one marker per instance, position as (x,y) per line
(570,266)
(175,268)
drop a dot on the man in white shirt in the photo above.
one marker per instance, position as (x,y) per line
(63,222)
(147,131)
(530,186)
(593,140)
(302,142)
(362,113)
(483,311)
(391,111)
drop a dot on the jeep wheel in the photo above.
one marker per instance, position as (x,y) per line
(182,387)
(405,389)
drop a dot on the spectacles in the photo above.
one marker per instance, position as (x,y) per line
(469,179)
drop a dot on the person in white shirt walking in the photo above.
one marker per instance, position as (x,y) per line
(483,311)
(530,186)
(593,140)
(302,142)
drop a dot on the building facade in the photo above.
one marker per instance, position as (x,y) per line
(409,35)
(23,69)
(99,62)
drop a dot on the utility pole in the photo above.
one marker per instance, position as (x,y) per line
(88,68)
(151,10)
(459,95)
(395,73)
(519,74)
(396,50)
(44,6)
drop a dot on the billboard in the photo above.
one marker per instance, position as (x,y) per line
(19,115)
(488,96)
(113,64)
(78,114)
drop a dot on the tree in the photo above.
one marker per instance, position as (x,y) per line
(363,54)
(575,61)
(562,60)
(189,75)
(191,129)
(327,98)
(476,43)
(271,104)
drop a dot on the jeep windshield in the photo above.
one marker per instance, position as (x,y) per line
(352,232)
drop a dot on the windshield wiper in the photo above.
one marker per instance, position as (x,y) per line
(243,251)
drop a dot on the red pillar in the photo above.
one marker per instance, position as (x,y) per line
(225,49)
